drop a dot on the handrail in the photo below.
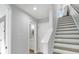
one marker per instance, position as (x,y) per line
(75,15)
(76,9)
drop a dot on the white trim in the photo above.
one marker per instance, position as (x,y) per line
(8,28)
(35,38)
(28,35)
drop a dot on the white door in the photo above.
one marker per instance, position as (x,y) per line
(2,39)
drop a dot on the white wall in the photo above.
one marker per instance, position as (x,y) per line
(53,14)
(61,11)
(19,31)
(42,30)
(2,10)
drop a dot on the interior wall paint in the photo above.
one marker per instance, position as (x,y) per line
(61,11)
(2,10)
(19,32)
(42,30)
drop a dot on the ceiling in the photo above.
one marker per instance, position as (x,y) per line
(41,13)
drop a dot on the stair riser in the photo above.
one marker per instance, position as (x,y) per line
(65,20)
(65,24)
(63,51)
(67,41)
(62,28)
(67,49)
(67,30)
(67,33)
(75,36)
(67,46)
(66,37)
(66,27)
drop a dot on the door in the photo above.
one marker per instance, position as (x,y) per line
(2,36)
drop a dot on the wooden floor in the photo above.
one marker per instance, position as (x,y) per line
(31,51)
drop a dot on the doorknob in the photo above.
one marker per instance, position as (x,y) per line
(6,47)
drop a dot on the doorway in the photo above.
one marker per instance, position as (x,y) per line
(32,41)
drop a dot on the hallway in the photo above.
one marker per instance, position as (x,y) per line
(40,28)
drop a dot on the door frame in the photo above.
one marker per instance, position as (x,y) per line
(35,35)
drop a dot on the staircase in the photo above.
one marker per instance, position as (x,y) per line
(66,36)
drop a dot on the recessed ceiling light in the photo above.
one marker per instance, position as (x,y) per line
(34,8)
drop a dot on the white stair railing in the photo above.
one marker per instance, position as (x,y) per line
(75,15)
